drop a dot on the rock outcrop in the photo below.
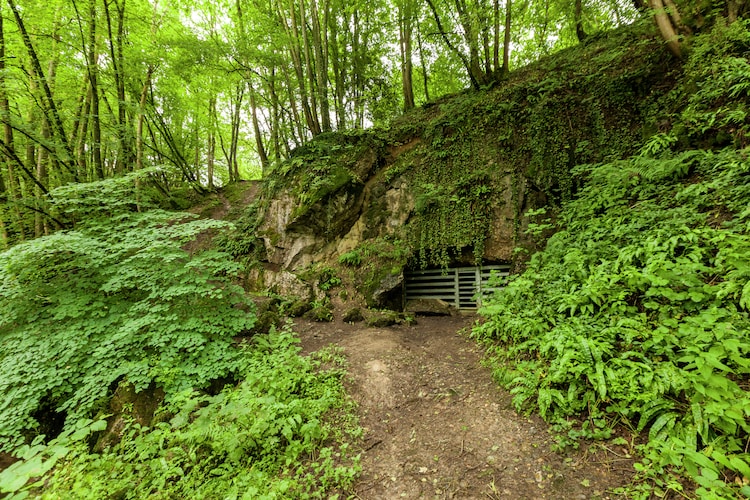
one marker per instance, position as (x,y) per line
(450,182)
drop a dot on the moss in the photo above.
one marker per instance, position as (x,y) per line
(298,308)
(583,105)
(353,315)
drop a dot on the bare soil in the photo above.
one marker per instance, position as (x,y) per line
(438,426)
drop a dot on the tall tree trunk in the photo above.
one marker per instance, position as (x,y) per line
(40,226)
(320,46)
(496,37)
(140,119)
(294,50)
(125,157)
(338,61)
(423,63)
(666,28)
(5,118)
(8,193)
(211,141)
(81,158)
(578,16)
(93,72)
(506,39)
(264,164)
(309,68)
(406,25)
(276,113)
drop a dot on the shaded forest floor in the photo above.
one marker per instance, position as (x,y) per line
(438,426)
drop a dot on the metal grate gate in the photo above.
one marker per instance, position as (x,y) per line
(458,286)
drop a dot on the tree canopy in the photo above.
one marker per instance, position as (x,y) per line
(91,89)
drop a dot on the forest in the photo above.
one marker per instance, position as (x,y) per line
(140,356)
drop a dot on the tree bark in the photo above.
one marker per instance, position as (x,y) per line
(423,63)
(141,118)
(666,28)
(320,51)
(211,142)
(264,164)
(125,158)
(406,27)
(580,33)
(506,39)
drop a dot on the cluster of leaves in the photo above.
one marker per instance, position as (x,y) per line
(636,313)
(273,435)
(115,298)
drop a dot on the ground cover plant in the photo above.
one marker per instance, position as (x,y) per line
(270,436)
(635,315)
(120,297)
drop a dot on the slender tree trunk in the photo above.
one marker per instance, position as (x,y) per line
(125,158)
(211,142)
(406,26)
(276,123)
(93,71)
(309,68)
(506,39)
(66,155)
(338,60)
(320,46)
(82,160)
(580,33)
(40,226)
(496,37)
(299,136)
(423,63)
(8,193)
(666,27)
(5,118)
(294,50)
(140,119)
(234,170)
(264,164)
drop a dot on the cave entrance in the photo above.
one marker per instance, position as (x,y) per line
(460,287)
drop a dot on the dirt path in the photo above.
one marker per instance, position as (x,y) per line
(437,425)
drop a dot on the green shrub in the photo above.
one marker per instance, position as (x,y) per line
(637,312)
(282,432)
(116,298)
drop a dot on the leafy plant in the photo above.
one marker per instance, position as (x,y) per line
(637,311)
(115,298)
(282,432)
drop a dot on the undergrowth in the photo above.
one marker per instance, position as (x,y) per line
(636,313)
(282,432)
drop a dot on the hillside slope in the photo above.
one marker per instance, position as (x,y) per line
(635,316)
(450,182)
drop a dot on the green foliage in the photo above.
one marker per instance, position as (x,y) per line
(115,298)
(274,435)
(351,258)
(637,311)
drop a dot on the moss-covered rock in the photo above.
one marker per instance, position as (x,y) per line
(353,315)
(450,182)
(385,318)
